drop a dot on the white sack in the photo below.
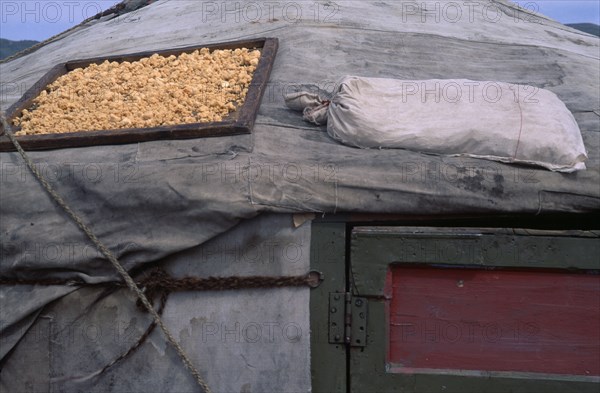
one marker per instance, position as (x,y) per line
(491,120)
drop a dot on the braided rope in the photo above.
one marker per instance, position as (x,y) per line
(108,254)
(160,280)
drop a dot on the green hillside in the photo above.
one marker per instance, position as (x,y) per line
(590,28)
(8,47)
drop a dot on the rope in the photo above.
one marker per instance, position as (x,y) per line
(108,254)
(141,340)
(159,280)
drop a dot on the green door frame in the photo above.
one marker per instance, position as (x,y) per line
(328,255)
(336,368)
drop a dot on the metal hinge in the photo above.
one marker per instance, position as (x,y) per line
(347,319)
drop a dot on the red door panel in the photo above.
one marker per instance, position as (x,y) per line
(493,320)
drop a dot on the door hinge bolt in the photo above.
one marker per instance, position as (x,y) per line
(347,319)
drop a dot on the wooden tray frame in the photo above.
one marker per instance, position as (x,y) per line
(240,121)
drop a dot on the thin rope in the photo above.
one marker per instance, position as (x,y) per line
(141,340)
(108,254)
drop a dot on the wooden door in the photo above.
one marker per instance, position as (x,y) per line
(476,310)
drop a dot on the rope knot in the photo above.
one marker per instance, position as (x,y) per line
(158,281)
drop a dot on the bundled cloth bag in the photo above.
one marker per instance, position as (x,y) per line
(459,117)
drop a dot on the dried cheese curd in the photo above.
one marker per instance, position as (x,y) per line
(202,86)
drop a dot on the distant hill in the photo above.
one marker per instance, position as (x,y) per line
(8,47)
(590,28)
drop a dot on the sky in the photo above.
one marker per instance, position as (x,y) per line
(584,11)
(41,19)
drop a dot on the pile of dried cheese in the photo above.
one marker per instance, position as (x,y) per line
(196,87)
